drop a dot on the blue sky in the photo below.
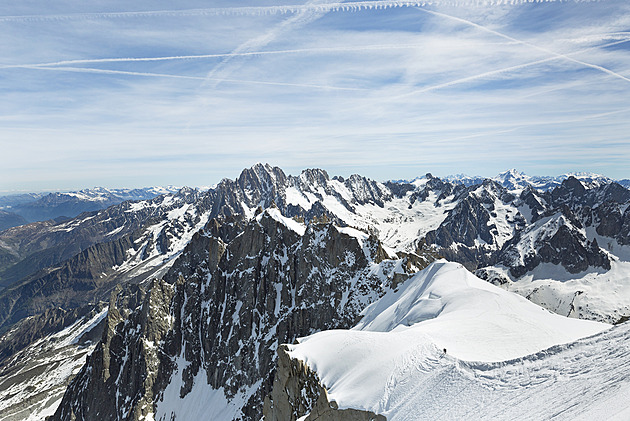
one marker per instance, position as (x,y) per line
(142,93)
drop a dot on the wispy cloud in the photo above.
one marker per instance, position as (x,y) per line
(390,89)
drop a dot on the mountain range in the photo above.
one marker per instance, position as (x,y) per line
(183,301)
(18,209)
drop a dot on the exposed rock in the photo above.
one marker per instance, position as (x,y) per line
(122,371)
(74,284)
(298,392)
(33,328)
(270,286)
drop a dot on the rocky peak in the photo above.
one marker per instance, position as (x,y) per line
(188,194)
(367,191)
(570,188)
(614,192)
(314,177)
(262,179)
(227,316)
(532,199)
(512,180)
(490,190)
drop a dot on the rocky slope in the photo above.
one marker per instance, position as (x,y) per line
(10,220)
(262,259)
(34,374)
(214,324)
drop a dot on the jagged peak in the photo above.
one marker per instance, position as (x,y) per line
(488,186)
(261,170)
(311,175)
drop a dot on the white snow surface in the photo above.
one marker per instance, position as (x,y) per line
(393,362)
(595,294)
(292,224)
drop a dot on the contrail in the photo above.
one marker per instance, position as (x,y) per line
(262,53)
(166,75)
(219,55)
(545,50)
(502,70)
(273,10)
(301,18)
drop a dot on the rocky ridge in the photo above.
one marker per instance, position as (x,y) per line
(254,239)
(221,325)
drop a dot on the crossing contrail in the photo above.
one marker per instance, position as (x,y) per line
(503,70)
(545,50)
(273,10)
(301,18)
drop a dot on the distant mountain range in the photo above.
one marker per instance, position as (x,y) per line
(183,301)
(18,209)
(515,181)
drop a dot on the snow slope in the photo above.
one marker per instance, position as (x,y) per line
(393,362)
(35,379)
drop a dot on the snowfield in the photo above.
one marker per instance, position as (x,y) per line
(506,358)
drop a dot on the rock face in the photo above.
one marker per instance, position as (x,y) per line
(213,282)
(74,284)
(222,318)
(489,226)
(298,392)
(121,374)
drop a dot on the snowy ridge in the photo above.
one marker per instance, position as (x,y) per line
(102,194)
(391,360)
(70,204)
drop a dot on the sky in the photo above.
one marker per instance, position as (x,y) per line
(138,93)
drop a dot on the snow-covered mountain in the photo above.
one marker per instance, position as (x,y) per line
(447,345)
(203,339)
(516,181)
(204,286)
(41,207)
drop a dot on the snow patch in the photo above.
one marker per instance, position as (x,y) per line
(292,224)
